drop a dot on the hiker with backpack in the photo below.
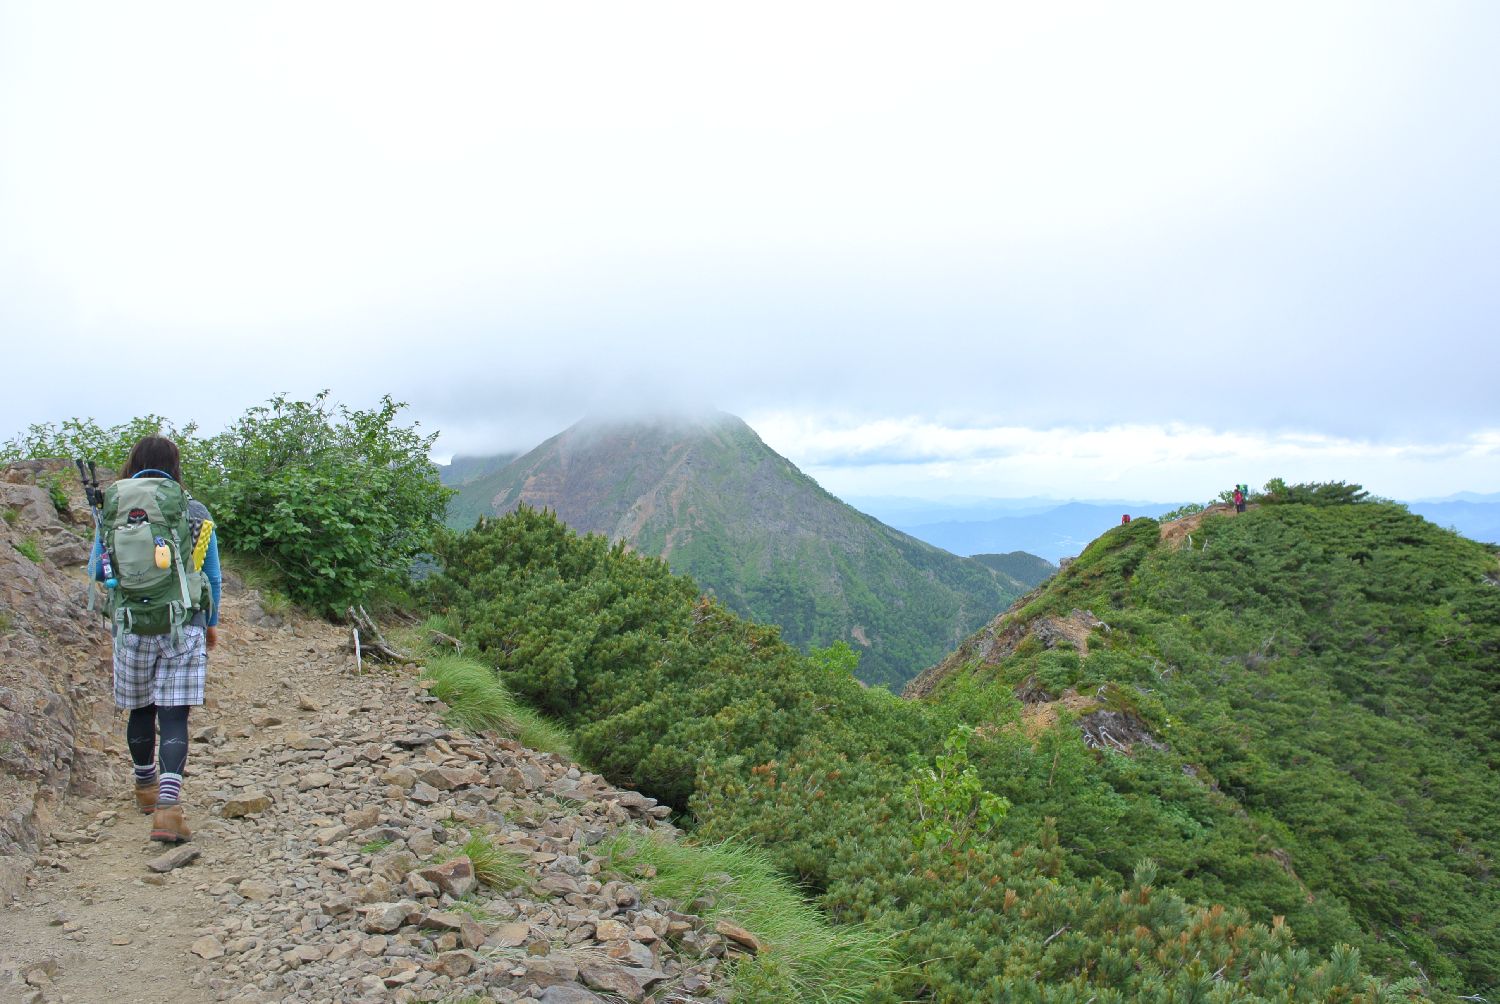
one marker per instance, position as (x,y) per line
(157,551)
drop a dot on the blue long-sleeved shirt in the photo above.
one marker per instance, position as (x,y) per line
(211,569)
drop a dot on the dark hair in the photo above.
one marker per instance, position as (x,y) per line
(154,453)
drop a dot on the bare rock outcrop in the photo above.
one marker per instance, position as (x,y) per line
(998,640)
(53,710)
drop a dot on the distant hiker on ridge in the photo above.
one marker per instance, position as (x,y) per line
(157,552)
(1239,498)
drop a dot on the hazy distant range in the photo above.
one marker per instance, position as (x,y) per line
(1058,528)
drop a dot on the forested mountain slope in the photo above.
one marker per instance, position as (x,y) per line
(1329,674)
(1022,566)
(718,504)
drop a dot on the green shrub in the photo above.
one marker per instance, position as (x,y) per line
(335,502)
(1181,511)
(339,501)
(29,550)
(86,439)
(11,516)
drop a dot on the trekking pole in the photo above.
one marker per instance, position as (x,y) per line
(95,499)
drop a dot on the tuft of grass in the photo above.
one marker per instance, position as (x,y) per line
(7,621)
(275,602)
(497,867)
(29,550)
(11,516)
(476,908)
(57,491)
(477,701)
(375,847)
(258,571)
(805,958)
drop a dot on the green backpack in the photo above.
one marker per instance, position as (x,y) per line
(145,528)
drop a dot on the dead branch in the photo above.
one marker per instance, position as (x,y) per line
(438,638)
(368,639)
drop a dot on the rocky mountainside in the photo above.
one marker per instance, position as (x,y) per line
(718,504)
(462,470)
(53,708)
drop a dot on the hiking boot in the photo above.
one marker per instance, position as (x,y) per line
(167,824)
(145,797)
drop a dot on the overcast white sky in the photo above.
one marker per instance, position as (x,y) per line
(1068,249)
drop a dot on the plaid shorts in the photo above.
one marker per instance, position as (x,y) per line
(150,669)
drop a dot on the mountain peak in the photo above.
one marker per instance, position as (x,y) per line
(702,490)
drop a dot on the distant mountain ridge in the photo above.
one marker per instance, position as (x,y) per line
(1054,534)
(1028,569)
(710,497)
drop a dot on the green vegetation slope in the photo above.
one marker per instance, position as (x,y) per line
(1027,569)
(1322,686)
(718,504)
(1008,863)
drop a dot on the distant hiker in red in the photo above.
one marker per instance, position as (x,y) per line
(1239,499)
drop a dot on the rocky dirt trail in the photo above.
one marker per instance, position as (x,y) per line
(327,810)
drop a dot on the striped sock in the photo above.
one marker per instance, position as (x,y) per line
(171,787)
(146,775)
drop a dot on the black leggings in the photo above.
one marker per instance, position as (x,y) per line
(140,735)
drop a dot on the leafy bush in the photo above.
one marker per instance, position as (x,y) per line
(337,501)
(108,446)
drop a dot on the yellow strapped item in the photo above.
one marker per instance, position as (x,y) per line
(200,546)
